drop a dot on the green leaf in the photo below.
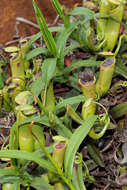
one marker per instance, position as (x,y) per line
(70,101)
(75,180)
(119,110)
(13,143)
(57,7)
(80,177)
(39,183)
(36,52)
(8,171)
(77,177)
(47,36)
(72,113)
(62,39)
(82,63)
(37,86)
(76,139)
(10,179)
(82,11)
(27,156)
(17,185)
(56,28)
(32,40)
(101,15)
(1,79)
(95,155)
(121,70)
(38,119)
(74,45)
(39,35)
(48,69)
(61,128)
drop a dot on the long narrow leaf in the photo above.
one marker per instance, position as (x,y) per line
(17,185)
(62,39)
(37,86)
(74,45)
(40,184)
(75,181)
(10,179)
(27,156)
(82,11)
(61,128)
(74,143)
(101,15)
(70,101)
(47,36)
(39,35)
(121,69)
(80,177)
(57,7)
(13,142)
(95,154)
(119,110)
(48,69)
(1,78)
(82,63)
(32,40)
(36,52)
(6,172)
(38,119)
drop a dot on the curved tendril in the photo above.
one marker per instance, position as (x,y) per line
(78,158)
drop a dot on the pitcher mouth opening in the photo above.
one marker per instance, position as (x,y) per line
(15,56)
(86,77)
(108,62)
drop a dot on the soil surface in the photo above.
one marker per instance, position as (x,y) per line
(11,9)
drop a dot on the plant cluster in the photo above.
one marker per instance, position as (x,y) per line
(29,93)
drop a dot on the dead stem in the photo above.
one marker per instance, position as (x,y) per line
(21,19)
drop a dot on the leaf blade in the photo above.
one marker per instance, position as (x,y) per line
(70,101)
(82,11)
(82,63)
(27,156)
(47,36)
(36,52)
(39,183)
(48,69)
(76,139)
(62,39)
(119,110)
(56,5)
